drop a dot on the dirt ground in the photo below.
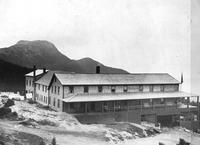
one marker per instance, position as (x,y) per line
(40,124)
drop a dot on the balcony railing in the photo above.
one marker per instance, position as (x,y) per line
(137,108)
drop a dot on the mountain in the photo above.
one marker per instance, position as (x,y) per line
(44,54)
(12,77)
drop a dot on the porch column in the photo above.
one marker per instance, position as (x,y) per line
(151,103)
(165,103)
(68,106)
(141,104)
(127,106)
(102,106)
(113,106)
(85,107)
(188,100)
(176,103)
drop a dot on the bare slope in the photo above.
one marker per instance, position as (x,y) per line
(45,54)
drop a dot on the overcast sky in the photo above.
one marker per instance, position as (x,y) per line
(195,45)
(135,35)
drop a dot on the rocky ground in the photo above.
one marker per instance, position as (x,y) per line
(35,124)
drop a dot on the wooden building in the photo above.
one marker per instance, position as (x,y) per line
(31,77)
(106,98)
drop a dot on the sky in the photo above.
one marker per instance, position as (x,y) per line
(195,44)
(135,35)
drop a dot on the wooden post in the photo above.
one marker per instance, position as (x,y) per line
(188,100)
(165,104)
(127,106)
(68,105)
(102,106)
(85,107)
(113,106)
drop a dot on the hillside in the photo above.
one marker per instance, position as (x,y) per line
(12,76)
(45,54)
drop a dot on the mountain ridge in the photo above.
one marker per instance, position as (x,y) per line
(44,54)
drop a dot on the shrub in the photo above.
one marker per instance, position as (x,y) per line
(42,143)
(4,111)
(9,103)
(46,122)
(31,101)
(12,116)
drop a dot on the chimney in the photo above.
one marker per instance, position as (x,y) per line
(44,70)
(181,78)
(34,72)
(34,86)
(98,69)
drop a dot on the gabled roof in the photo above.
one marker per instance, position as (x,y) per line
(37,72)
(46,79)
(115,79)
(125,96)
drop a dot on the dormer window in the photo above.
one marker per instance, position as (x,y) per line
(113,89)
(125,88)
(85,89)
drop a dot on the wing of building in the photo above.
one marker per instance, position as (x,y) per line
(105,98)
(31,77)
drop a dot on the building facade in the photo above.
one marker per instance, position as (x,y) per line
(30,78)
(106,98)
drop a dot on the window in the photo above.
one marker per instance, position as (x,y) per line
(45,88)
(100,89)
(52,89)
(38,86)
(54,102)
(29,82)
(58,103)
(125,88)
(55,80)
(71,89)
(42,87)
(140,88)
(162,88)
(49,99)
(113,89)
(55,90)
(85,89)
(150,88)
(58,90)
